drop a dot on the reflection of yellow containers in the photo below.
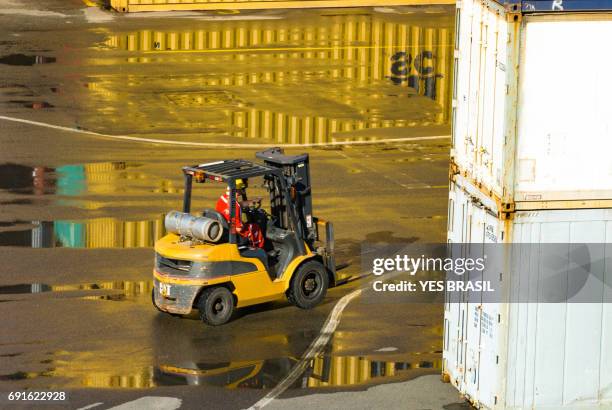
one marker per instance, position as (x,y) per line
(350,370)
(359,50)
(125,366)
(339,371)
(103,171)
(138,380)
(102,176)
(130,288)
(361,44)
(111,233)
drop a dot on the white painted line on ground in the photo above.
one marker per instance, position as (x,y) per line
(150,403)
(387,349)
(91,406)
(315,348)
(215,144)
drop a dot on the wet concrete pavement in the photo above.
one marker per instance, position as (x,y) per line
(79,214)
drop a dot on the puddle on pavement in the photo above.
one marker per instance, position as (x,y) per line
(128,288)
(24,288)
(73,181)
(37,105)
(151,368)
(25,375)
(91,233)
(25,60)
(68,180)
(327,371)
(11,354)
(306,78)
(321,372)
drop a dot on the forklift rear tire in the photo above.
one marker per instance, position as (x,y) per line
(216,305)
(308,285)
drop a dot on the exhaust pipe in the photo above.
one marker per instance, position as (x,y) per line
(198,227)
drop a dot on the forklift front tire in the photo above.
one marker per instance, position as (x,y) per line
(308,285)
(216,305)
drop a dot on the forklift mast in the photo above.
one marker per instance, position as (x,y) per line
(296,171)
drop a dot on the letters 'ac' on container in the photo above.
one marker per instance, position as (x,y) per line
(532,113)
(531,355)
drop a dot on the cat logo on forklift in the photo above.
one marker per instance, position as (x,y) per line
(204,263)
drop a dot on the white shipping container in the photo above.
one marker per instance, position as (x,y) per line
(532,115)
(529,355)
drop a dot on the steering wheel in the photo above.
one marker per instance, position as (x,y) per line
(251,204)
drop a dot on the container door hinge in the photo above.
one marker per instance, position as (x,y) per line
(507,210)
(453,170)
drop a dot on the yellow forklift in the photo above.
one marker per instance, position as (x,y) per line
(203,262)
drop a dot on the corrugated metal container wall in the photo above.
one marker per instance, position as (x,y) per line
(561,354)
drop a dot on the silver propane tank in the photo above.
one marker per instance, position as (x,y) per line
(198,227)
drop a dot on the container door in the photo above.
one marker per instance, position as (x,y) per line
(491,321)
(454,316)
(479,121)
(471,339)
(483,337)
(490,128)
(565,115)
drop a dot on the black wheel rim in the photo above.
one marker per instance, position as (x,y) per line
(218,306)
(311,285)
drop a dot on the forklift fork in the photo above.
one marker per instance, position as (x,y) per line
(327,250)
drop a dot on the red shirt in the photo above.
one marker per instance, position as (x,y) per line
(250,231)
(224,209)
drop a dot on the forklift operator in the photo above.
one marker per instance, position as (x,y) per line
(250,231)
